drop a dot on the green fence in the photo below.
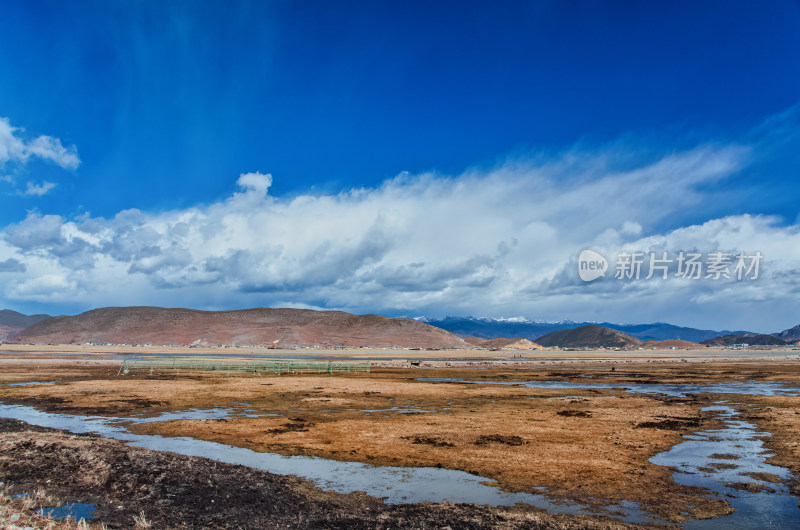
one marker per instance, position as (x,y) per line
(252,367)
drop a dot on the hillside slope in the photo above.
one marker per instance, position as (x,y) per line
(279,327)
(12,322)
(791,334)
(590,336)
(12,319)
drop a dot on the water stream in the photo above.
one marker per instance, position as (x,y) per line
(726,461)
(750,388)
(395,484)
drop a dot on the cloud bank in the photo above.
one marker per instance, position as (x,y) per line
(487,242)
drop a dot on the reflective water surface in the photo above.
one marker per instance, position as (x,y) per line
(750,388)
(727,460)
(75,510)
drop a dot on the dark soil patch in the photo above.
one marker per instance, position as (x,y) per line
(294,425)
(671,424)
(764,477)
(752,487)
(499,439)
(428,440)
(724,456)
(568,375)
(35,401)
(9,425)
(575,413)
(142,403)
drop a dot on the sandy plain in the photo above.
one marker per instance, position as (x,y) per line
(81,351)
(587,445)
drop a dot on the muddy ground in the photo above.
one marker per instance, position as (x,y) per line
(129,485)
(588,445)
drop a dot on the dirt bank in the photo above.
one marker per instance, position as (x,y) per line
(171,491)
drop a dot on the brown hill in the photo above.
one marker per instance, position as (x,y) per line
(590,336)
(265,326)
(517,343)
(469,339)
(525,344)
(673,343)
(12,322)
(6,332)
(496,343)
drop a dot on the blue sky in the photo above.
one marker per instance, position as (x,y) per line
(423,157)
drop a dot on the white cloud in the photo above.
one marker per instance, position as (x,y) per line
(49,148)
(255,182)
(39,190)
(46,288)
(485,242)
(15,149)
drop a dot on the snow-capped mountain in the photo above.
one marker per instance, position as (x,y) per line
(522,327)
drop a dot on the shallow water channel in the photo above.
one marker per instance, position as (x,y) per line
(724,460)
(692,459)
(751,388)
(395,484)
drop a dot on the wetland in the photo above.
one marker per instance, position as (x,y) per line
(577,443)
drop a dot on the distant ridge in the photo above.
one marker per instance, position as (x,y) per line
(751,339)
(488,328)
(13,319)
(282,328)
(590,336)
(12,322)
(673,343)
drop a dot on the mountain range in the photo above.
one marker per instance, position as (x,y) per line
(487,328)
(751,339)
(289,327)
